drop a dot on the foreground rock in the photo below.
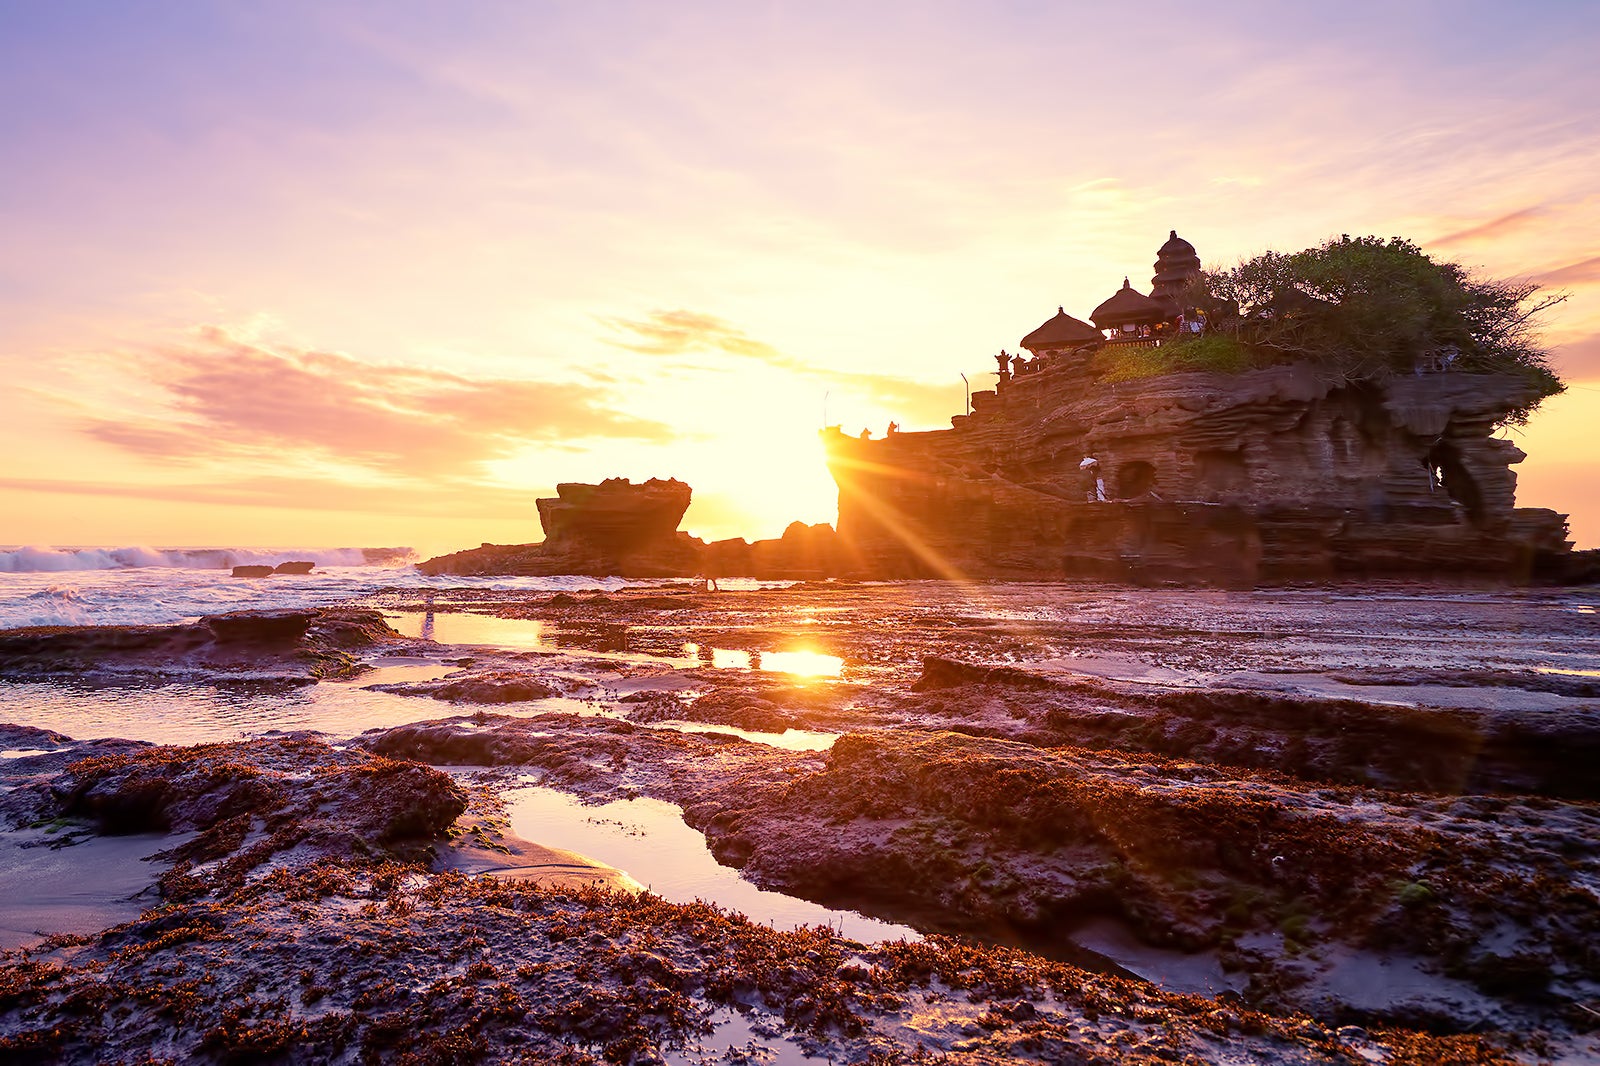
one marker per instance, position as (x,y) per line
(1290,889)
(325,964)
(1306,845)
(237,806)
(288,931)
(298,646)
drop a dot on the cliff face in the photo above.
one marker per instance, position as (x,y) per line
(1275,474)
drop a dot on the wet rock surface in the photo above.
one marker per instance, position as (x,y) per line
(294,646)
(327,964)
(496,686)
(239,807)
(1281,799)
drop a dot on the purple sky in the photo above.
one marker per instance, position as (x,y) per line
(523,243)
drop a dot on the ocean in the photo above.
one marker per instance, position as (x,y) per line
(99,586)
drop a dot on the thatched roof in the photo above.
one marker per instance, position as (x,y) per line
(1061,331)
(1129,306)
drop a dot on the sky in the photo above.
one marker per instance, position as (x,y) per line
(333,273)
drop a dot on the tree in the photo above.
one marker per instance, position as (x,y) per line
(1365,308)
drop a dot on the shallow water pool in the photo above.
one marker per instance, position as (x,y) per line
(648,840)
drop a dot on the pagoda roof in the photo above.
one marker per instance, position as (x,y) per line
(1128,306)
(1176,247)
(1061,331)
(1176,265)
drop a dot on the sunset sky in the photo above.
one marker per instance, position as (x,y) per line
(357,274)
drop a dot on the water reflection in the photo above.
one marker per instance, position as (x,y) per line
(425,631)
(195,713)
(647,839)
(454,627)
(608,639)
(799,663)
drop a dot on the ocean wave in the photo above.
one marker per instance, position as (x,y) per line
(32,560)
(58,605)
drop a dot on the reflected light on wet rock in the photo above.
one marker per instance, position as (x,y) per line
(799,663)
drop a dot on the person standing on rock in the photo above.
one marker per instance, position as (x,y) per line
(1094,487)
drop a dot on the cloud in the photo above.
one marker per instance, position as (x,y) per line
(451,499)
(221,397)
(681,332)
(1493,228)
(1584,270)
(676,333)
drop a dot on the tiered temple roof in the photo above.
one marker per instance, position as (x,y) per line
(1176,266)
(1061,331)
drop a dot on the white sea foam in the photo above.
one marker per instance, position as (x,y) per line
(161,595)
(34,559)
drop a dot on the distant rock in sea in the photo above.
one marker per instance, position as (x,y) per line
(617,528)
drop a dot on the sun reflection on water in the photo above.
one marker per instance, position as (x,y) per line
(800,663)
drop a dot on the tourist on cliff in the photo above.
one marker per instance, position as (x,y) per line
(1094,488)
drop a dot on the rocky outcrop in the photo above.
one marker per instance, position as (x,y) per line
(1276,474)
(617,528)
(615,516)
(802,553)
(613,528)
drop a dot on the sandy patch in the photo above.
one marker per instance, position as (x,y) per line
(87,885)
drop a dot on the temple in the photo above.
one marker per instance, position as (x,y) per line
(1282,473)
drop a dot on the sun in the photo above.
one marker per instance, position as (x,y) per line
(746,442)
(755,488)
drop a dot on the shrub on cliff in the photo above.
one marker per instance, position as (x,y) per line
(1215,352)
(1365,307)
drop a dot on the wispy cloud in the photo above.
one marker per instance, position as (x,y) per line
(1584,270)
(678,333)
(220,397)
(682,332)
(447,499)
(1494,228)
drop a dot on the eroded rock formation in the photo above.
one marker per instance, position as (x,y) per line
(615,527)
(1276,474)
(618,528)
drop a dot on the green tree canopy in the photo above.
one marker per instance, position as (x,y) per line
(1365,307)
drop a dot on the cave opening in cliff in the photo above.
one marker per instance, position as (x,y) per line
(1457,482)
(1134,479)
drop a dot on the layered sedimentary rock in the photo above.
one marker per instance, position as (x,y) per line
(1276,474)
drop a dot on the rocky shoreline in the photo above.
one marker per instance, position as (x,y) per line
(1122,836)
